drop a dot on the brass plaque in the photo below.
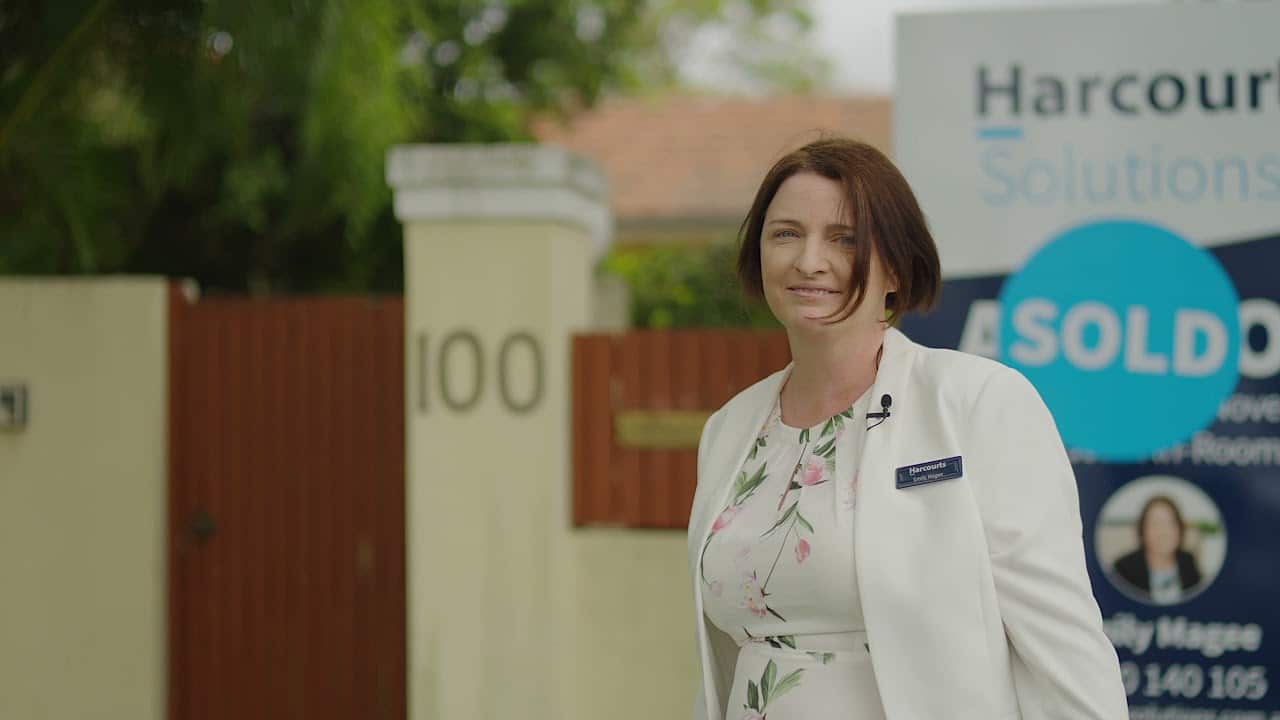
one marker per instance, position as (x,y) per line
(659,429)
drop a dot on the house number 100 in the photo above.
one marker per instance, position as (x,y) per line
(466,344)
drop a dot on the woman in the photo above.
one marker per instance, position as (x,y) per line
(883,530)
(1160,568)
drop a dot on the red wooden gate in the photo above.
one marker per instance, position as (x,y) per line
(654,372)
(286,509)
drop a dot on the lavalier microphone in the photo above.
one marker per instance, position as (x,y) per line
(885,401)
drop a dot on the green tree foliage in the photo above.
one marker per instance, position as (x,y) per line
(680,286)
(242,142)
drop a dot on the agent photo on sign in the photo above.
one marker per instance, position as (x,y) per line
(883,530)
(1160,567)
(1160,539)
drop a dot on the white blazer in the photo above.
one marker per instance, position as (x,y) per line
(974,591)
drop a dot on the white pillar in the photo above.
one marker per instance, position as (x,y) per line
(83,536)
(499,246)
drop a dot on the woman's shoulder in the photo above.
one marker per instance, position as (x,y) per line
(961,375)
(950,364)
(1133,560)
(1188,569)
(1132,568)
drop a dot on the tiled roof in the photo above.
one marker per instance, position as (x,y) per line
(701,158)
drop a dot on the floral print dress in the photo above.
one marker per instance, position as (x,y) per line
(777,575)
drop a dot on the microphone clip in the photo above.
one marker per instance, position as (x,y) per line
(885,401)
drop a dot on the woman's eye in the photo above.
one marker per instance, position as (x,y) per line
(846,239)
(786,234)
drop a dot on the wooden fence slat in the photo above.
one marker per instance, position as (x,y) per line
(205,357)
(364,669)
(653,371)
(347,357)
(656,483)
(593,429)
(253,701)
(627,482)
(600,427)
(715,369)
(387,417)
(220,407)
(581,374)
(691,394)
(234,482)
(391,520)
(277,520)
(777,353)
(750,363)
(370,613)
(310,497)
(222,464)
(333,540)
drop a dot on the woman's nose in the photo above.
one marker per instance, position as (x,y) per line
(810,260)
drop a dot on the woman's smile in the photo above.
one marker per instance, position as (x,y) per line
(812,292)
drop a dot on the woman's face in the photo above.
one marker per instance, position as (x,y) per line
(1160,530)
(806,257)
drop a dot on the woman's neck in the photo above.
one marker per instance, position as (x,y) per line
(1158,561)
(828,374)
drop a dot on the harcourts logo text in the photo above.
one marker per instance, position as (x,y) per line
(1131,334)
(1011,92)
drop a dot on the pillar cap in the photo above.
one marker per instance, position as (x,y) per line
(508,181)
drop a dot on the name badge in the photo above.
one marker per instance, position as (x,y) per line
(929,472)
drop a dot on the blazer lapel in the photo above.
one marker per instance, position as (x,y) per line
(728,448)
(916,574)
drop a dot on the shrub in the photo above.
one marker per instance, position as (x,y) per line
(685,285)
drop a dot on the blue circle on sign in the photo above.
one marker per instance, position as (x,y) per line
(1130,333)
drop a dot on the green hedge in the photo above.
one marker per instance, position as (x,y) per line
(685,285)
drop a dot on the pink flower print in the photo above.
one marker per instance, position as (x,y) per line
(752,715)
(802,550)
(754,596)
(814,468)
(726,517)
(716,588)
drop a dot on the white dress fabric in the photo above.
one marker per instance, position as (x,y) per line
(777,575)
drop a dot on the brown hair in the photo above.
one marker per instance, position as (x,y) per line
(886,216)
